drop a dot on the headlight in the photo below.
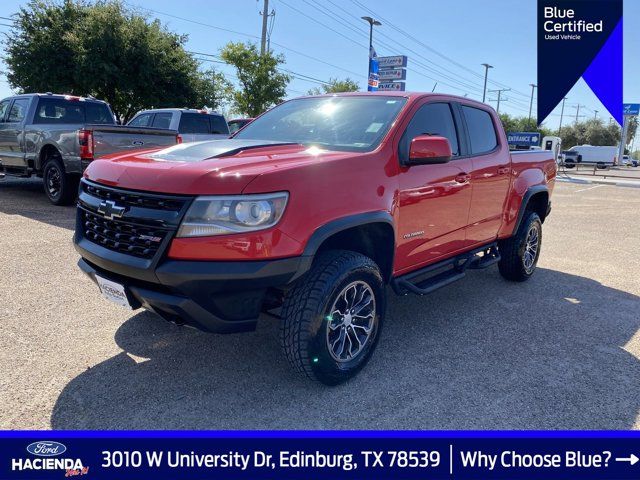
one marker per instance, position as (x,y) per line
(218,215)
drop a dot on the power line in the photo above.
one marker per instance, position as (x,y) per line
(465,86)
(431,49)
(235,32)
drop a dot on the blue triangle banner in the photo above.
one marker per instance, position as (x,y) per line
(579,38)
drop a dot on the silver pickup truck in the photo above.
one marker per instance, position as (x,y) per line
(56,136)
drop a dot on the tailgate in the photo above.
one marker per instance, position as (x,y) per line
(116,138)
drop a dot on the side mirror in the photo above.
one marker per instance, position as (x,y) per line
(428,149)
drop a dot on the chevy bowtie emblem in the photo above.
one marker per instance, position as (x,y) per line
(109,210)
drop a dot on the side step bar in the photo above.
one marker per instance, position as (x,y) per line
(438,275)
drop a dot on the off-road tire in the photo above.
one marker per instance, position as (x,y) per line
(512,250)
(66,189)
(304,335)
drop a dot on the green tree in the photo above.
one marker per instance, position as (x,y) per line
(336,86)
(214,90)
(591,132)
(106,50)
(262,85)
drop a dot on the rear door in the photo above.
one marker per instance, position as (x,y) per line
(433,199)
(490,176)
(11,133)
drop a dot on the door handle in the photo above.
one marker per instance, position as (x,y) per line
(462,178)
(503,169)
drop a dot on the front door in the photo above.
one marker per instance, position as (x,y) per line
(11,133)
(433,199)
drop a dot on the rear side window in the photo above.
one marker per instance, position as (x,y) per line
(194,123)
(18,110)
(162,120)
(218,124)
(482,133)
(430,119)
(53,110)
(141,120)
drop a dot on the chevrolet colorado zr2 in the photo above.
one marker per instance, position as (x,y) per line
(309,212)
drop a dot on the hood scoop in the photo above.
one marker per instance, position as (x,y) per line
(199,151)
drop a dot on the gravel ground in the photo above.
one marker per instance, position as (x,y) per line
(560,351)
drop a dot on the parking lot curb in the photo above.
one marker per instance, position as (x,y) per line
(582,181)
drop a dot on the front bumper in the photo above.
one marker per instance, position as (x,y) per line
(220,297)
(131,250)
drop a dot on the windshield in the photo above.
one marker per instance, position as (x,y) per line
(355,123)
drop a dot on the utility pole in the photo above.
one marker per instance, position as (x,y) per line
(372,22)
(595,114)
(578,111)
(533,88)
(486,75)
(499,92)
(265,19)
(561,115)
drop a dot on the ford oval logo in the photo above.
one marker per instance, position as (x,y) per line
(138,143)
(46,448)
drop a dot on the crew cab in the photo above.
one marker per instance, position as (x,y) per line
(57,136)
(192,125)
(309,212)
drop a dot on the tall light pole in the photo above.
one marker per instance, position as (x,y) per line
(533,89)
(372,22)
(561,115)
(486,75)
(595,114)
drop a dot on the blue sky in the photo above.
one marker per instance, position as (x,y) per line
(450,40)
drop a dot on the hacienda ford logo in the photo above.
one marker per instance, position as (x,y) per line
(46,449)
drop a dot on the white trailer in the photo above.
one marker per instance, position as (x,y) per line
(601,156)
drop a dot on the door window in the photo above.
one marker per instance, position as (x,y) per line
(430,119)
(18,110)
(4,105)
(482,133)
(162,120)
(141,120)
(194,123)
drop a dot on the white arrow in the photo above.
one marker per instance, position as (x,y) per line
(632,459)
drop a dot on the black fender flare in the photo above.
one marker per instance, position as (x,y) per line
(531,191)
(336,226)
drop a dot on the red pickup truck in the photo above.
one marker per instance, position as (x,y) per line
(308,212)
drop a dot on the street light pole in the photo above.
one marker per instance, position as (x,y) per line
(486,75)
(533,89)
(371,22)
(561,115)
(595,114)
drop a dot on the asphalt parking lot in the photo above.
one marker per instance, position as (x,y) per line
(561,351)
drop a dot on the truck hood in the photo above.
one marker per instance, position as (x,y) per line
(204,168)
